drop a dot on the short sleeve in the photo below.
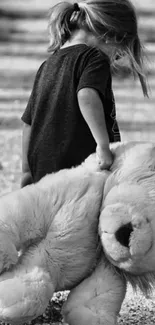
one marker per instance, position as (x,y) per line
(95,73)
(27,115)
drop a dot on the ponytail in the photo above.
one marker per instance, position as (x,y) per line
(63,18)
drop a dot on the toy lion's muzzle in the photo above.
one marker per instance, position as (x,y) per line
(126,234)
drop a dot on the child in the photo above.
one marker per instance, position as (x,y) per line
(71,110)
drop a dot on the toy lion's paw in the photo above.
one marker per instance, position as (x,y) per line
(8,253)
(24,294)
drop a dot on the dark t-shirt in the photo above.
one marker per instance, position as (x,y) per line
(60,137)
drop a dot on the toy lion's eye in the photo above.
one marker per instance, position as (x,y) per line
(123,234)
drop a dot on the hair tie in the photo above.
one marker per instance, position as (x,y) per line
(76,7)
(75,14)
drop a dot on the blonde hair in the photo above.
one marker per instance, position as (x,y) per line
(113,20)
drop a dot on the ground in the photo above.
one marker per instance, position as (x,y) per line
(23,44)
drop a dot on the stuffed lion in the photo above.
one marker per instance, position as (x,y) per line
(83,230)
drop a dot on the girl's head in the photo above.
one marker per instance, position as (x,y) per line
(113,23)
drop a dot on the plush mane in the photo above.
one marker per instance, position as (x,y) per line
(144,282)
(134,164)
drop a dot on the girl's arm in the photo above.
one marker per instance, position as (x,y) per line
(26,174)
(92,110)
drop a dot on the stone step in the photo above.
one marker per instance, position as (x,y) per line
(134,93)
(40,25)
(126,106)
(136,112)
(11,149)
(28,50)
(13,35)
(40,49)
(20,23)
(130,90)
(35,38)
(132,104)
(24,8)
(13,65)
(143,133)
(12,105)
(125,113)
(32,38)
(18,8)
(19,64)
(14,94)
(126,124)
(12,79)
(10,122)
(146,22)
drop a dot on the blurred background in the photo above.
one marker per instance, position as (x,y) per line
(23,46)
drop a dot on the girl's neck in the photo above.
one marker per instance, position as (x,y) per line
(82,37)
(78,37)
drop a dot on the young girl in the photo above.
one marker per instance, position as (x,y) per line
(71,110)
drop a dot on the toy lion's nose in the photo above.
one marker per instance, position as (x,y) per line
(123,234)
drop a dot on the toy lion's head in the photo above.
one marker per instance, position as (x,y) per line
(127,219)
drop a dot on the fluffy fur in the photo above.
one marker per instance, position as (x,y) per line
(49,239)
(129,201)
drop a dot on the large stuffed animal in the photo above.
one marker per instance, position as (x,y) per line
(83,230)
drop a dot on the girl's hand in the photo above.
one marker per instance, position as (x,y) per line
(104,157)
